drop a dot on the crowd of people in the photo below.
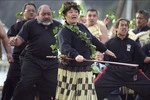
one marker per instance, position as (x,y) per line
(34,76)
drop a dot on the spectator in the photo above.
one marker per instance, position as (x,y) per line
(142,30)
(96,27)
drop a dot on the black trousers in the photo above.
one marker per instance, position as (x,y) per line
(117,76)
(39,72)
(13,76)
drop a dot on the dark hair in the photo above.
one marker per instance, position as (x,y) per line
(145,13)
(118,21)
(69,5)
(25,5)
(92,10)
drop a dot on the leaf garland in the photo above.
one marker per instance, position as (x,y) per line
(112,16)
(81,35)
(55,46)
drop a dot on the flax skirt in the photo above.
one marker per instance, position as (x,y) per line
(75,83)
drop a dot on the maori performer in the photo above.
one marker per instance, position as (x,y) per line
(75,78)
(115,76)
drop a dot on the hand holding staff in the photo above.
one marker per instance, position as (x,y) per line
(64,60)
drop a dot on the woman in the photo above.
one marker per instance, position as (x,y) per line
(75,78)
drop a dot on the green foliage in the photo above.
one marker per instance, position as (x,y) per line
(94,68)
(55,46)
(19,14)
(83,37)
(82,13)
(60,11)
(112,16)
(132,23)
(53,14)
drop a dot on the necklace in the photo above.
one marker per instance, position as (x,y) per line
(82,36)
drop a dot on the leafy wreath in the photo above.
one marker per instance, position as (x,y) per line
(68,5)
(82,36)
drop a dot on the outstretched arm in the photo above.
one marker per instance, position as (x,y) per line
(15,41)
(108,52)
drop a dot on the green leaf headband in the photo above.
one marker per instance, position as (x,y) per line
(68,5)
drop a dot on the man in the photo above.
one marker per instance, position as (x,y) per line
(141,33)
(35,65)
(115,76)
(4,39)
(96,27)
(13,75)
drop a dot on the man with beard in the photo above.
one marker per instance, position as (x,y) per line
(39,35)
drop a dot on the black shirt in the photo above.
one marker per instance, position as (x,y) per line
(39,38)
(126,51)
(72,46)
(146,67)
(13,31)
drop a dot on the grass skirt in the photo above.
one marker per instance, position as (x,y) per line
(75,83)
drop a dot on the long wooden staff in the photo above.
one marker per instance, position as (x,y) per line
(107,62)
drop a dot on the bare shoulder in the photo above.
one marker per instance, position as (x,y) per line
(101,23)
